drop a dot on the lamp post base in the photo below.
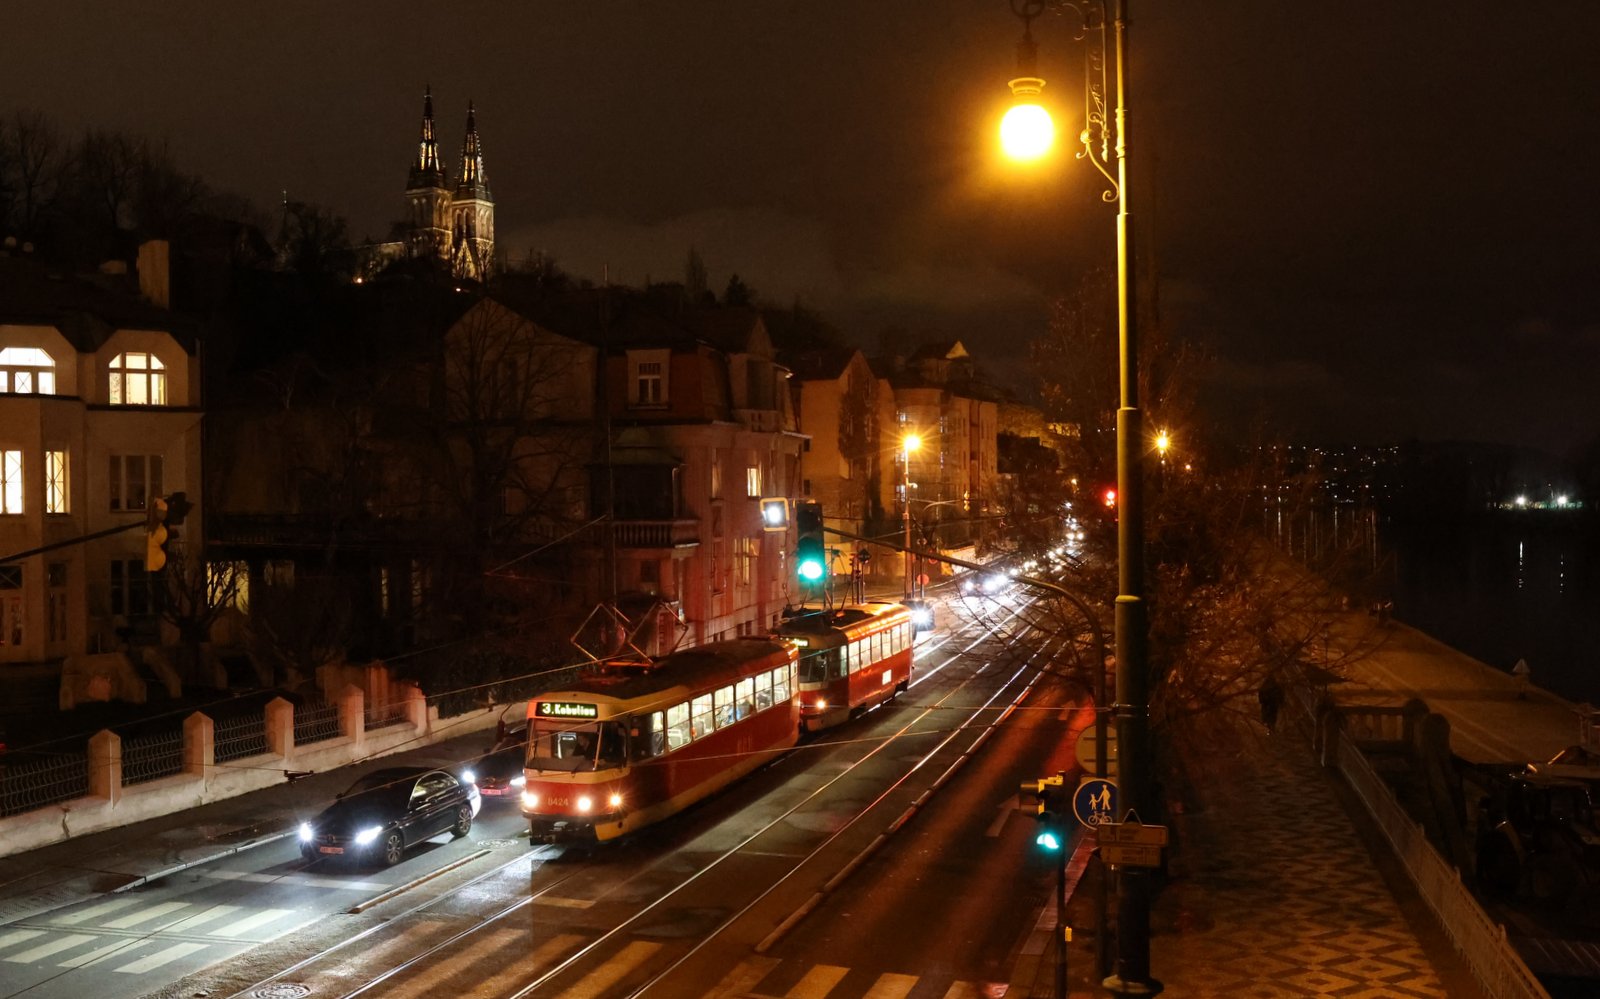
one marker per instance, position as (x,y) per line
(1117,987)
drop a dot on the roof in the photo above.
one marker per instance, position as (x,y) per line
(822,365)
(695,668)
(87,310)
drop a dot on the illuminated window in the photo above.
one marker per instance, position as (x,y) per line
(10,481)
(138,380)
(134,478)
(55,482)
(745,552)
(752,481)
(716,473)
(228,584)
(25,370)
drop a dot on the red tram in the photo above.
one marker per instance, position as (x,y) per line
(639,743)
(850,660)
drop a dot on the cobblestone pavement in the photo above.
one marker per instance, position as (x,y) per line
(1274,895)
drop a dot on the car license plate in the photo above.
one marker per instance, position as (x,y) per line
(330,849)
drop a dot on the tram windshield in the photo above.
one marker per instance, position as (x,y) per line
(820,666)
(576,747)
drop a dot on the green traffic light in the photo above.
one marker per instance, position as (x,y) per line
(1048,840)
(810,570)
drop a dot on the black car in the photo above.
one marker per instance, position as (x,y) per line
(499,771)
(388,811)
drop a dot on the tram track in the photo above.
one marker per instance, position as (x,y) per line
(312,974)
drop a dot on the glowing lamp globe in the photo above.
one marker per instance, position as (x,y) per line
(1026,132)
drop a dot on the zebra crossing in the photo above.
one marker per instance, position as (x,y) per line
(131,937)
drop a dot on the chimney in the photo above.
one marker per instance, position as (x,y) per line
(155,272)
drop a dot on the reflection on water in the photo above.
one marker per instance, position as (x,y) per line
(1509,588)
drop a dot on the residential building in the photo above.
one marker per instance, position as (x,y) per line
(100,414)
(845,455)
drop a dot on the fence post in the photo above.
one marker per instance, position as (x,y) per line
(280,727)
(199,744)
(416,704)
(353,714)
(105,766)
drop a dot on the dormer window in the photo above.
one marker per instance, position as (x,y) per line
(27,370)
(647,377)
(138,380)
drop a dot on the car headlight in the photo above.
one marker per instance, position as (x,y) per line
(469,776)
(585,803)
(366,836)
(306,832)
(520,780)
(922,618)
(530,800)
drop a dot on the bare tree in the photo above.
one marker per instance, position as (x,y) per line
(38,166)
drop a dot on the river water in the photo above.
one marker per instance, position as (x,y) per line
(1505,587)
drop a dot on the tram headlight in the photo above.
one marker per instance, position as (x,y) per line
(585,803)
(615,801)
(822,704)
(530,800)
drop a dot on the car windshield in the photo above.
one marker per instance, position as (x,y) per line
(374,781)
(573,747)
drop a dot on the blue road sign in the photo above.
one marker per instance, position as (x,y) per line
(1095,801)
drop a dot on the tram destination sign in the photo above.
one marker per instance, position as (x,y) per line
(567,709)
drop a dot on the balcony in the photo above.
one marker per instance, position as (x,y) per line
(658,533)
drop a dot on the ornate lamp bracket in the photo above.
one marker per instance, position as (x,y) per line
(1096,136)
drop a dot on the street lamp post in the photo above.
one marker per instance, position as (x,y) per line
(911,443)
(1131,976)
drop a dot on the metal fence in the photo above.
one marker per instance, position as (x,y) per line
(240,736)
(28,781)
(382,715)
(316,721)
(148,757)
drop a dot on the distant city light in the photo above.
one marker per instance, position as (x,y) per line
(1522,501)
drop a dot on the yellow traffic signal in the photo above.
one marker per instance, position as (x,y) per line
(155,536)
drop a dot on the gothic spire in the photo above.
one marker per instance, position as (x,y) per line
(474,181)
(427,171)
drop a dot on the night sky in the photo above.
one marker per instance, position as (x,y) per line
(1383,220)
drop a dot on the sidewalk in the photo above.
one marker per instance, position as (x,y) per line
(1279,885)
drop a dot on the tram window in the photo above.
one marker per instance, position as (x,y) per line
(743,698)
(724,704)
(763,691)
(649,736)
(678,734)
(700,717)
(877,646)
(780,684)
(814,667)
(613,745)
(857,658)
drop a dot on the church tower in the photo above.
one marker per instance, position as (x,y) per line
(428,194)
(472,209)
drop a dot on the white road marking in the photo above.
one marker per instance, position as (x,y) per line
(93,912)
(56,946)
(249,923)
(490,949)
(744,976)
(199,918)
(518,972)
(891,986)
(120,947)
(299,880)
(564,903)
(1007,806)
(145,915)
(595,984)
(818,982)
(18,936)
(159,958)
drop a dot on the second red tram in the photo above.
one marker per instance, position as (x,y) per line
(638,743)
(850,660)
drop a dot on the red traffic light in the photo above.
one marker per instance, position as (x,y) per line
(1109,498)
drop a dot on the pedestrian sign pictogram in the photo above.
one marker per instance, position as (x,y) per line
(1095,802)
